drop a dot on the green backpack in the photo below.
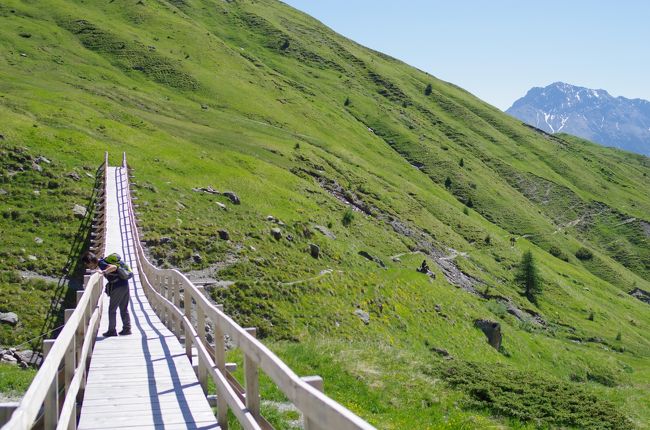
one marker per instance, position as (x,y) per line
(123,270)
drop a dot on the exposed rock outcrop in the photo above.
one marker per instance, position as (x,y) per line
(363,316)
(492,331)
(640,294)
(370,257)
(314,250)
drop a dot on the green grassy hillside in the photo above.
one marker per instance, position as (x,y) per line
(352,151)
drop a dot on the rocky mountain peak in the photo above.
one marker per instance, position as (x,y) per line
(592,114)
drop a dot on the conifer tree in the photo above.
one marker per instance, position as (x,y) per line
(427,90)
(528,278)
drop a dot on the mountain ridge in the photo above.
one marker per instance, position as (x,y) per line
(588,113)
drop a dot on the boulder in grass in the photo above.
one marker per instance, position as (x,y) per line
(363,316)
(74,176)
(9,318)
(232,196)
(7,358)
(28,357)
(223,235)
(276,233)
(440,351)
(492,331)
(79,211)
(314,250)
(40,159)
(325,231)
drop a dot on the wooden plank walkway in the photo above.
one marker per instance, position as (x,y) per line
(144,380)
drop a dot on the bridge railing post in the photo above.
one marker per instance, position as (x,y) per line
(169,282)
(202,369)
(176,288)
(220,362)
(171,316)
(81,328)
(187,302)
(70,367)
(156,287)
(162,289)
(51,404)
(251,377)
(316,382)
(70,355)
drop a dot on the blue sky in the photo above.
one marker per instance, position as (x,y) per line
(500,49)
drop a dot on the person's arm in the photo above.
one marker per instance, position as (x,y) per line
(109,269)
(105,268)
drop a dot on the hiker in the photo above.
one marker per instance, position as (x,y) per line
(424,267)
(117,289)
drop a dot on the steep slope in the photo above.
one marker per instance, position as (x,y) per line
(591,114)
(346,149)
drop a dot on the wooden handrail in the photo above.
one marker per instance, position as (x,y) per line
(42,394)
(320,411)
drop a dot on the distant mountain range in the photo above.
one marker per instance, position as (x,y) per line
(587,113)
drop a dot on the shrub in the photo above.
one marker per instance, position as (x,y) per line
(538,399)
(348,217)
(461,163)
(347,101)
(427,90)
(584,254)
(466,210)
(557,253)
(469,203)
(448,182)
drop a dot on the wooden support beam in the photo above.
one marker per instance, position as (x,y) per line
(51,404)
(187,304)
(220,361)
(316,382)
(202,370)
(251,375)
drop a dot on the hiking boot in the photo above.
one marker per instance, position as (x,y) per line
(125,332)
(109,333)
